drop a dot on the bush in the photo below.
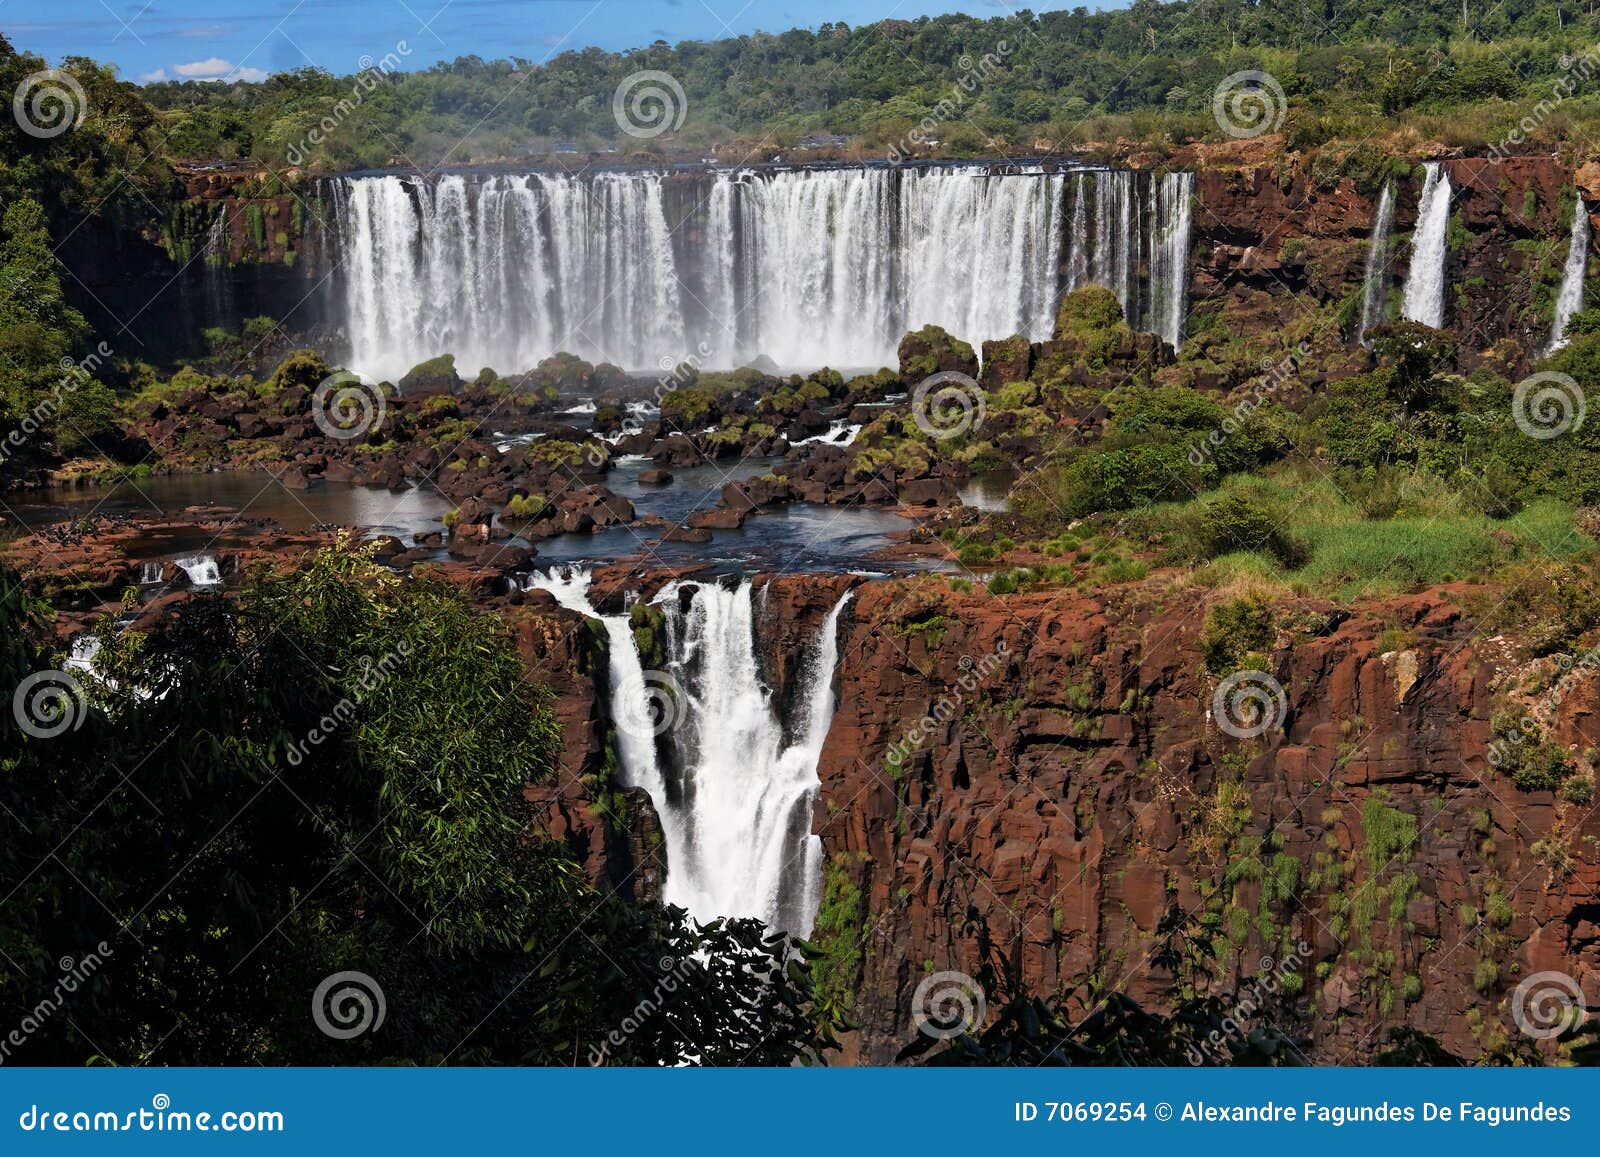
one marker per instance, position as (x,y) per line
(1234,523)
(1237,631)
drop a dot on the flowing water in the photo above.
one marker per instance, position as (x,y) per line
(1425,282)
(803,267)
(732,775)
(1570,298)
(1375,282)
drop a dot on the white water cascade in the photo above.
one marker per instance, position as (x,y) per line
(1375,281)
(202,570)
(1570,298)
(1170,219)
(805,267)
(732,775)
(1424,294)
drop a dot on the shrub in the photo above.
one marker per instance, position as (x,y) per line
(1237,630)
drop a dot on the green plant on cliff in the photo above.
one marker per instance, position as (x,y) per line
(839,939)
(1238,633)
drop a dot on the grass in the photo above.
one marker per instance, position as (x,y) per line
(1432,538)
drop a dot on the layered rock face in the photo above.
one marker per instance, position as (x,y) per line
(1072,804)
(1277,240)
(1074,800)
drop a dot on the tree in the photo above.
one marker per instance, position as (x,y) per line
(325,775)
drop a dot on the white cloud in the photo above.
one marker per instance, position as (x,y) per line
(152,77)
(218,69)
(205,69)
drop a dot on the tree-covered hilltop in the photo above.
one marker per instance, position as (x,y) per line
(1069,77)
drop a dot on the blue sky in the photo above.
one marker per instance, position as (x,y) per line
(208,39)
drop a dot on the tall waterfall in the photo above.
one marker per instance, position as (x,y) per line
(805,267)
(732,776)
(1570,298)
(1169,255)
(1375,282)
(1424,295)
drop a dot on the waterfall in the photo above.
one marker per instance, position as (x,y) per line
(85,649)
(804,267)
(1169,256)
(202,570)
(731,774)
(1078,255)
(1570,299)
(150,573)
(1424,294)
(1375,282)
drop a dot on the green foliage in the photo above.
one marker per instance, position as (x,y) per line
(839,937)
(339,762)
(1146,73)
(1238,633)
